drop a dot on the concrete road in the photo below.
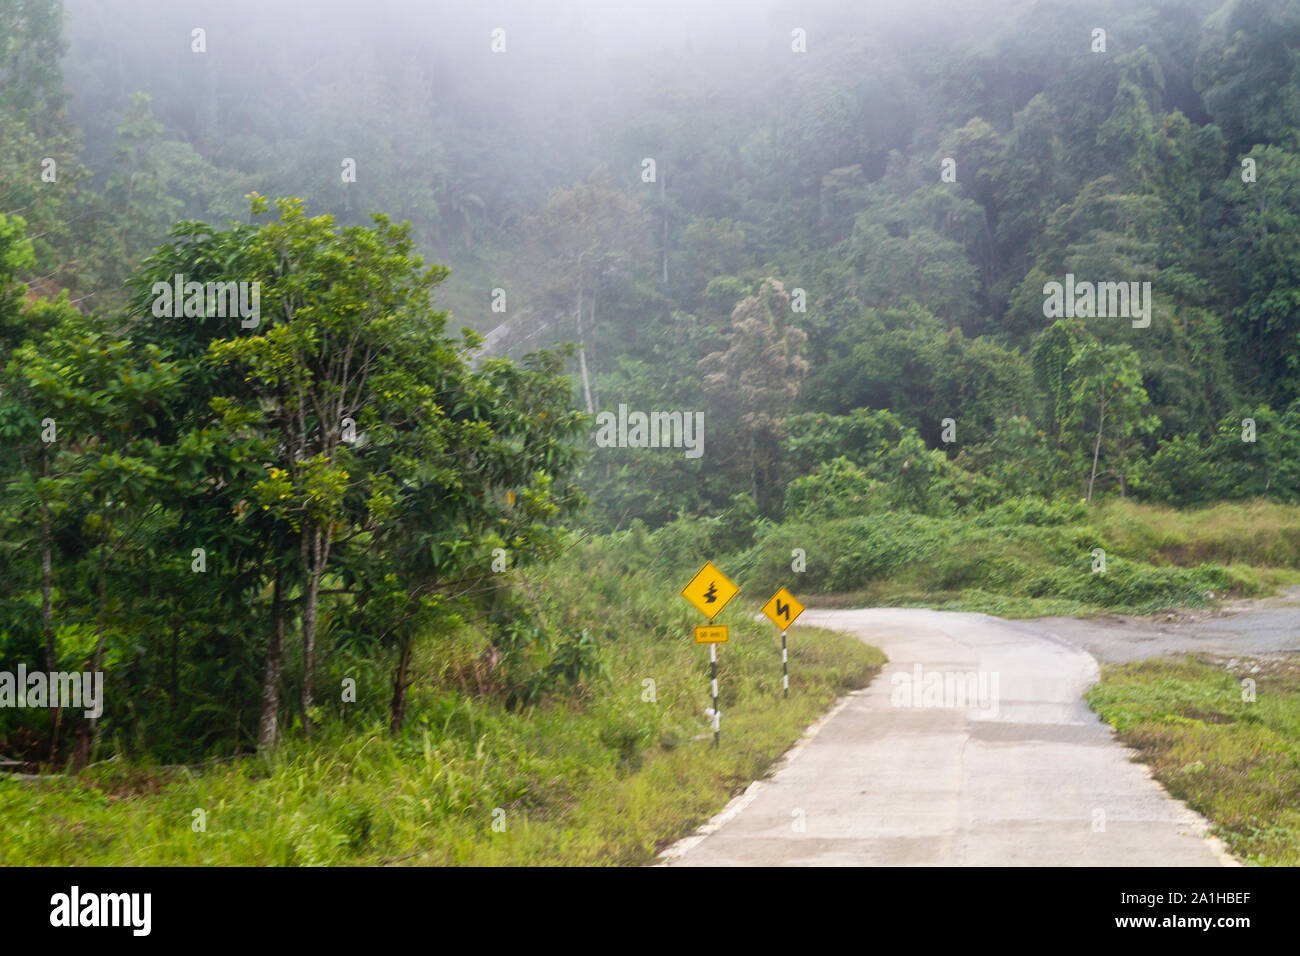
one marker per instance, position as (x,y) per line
(973,747)
(1258,628)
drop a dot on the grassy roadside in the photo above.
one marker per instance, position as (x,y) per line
(1031,558)
(607,777)
(1237,762)
(603,771)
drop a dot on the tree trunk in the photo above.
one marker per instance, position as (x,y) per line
(400,684)
(47,622)
(88,729)
(315,552)
(1096,450)
(269,731)
(595,383)
(47,589)
(582,349)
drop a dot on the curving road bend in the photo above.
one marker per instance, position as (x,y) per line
(973,747)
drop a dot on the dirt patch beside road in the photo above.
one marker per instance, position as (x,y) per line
(1260,628)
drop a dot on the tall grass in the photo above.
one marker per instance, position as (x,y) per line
(1031,557)
(1233,759)
(604,770)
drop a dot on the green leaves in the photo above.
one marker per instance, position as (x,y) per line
(340,462)
(1099,406)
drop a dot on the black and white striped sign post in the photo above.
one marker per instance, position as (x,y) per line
(713,636)
(708,592)
(782,610)
(713,678)
(785,668)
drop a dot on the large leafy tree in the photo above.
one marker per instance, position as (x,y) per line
(1098,400)
(751,384)
(1262,242)
(582,239)
(374,437)
(99,400)
(211,489)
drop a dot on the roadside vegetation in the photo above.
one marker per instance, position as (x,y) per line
(592,750)
(1026,557)
(332,519)
(1234,760)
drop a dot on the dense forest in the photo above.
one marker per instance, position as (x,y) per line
(924,260)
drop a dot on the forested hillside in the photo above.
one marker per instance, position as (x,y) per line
(1167,157)
(927,262)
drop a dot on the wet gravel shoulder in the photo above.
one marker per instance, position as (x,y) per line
(1258,628)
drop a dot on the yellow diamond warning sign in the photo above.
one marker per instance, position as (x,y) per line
(709,591)
(783,609)
(711,634)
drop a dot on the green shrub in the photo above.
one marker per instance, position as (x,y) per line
(837,489)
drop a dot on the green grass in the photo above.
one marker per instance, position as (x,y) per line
(594,774)
(600,776)
(1259,534)
(1030,558)
(1236,762)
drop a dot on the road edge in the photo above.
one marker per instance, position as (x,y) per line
(680,848)
(1201,825)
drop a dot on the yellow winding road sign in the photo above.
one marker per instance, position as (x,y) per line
(783,608)
(710,590)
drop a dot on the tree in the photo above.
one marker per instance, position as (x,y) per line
(34,131)
(583,236)
(753,382)
(1261,246)
(385,458)
(1245,70)
(101,470)
(1251,453)
(336,306)
(1096,396)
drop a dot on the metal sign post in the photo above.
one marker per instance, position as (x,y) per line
(709,591)
(781,610)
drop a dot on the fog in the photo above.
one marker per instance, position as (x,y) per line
(466,141)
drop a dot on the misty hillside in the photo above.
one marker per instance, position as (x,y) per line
(823,170)
(432,347)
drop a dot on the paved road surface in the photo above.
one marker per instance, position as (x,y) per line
(1022,774)
(1255,628)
